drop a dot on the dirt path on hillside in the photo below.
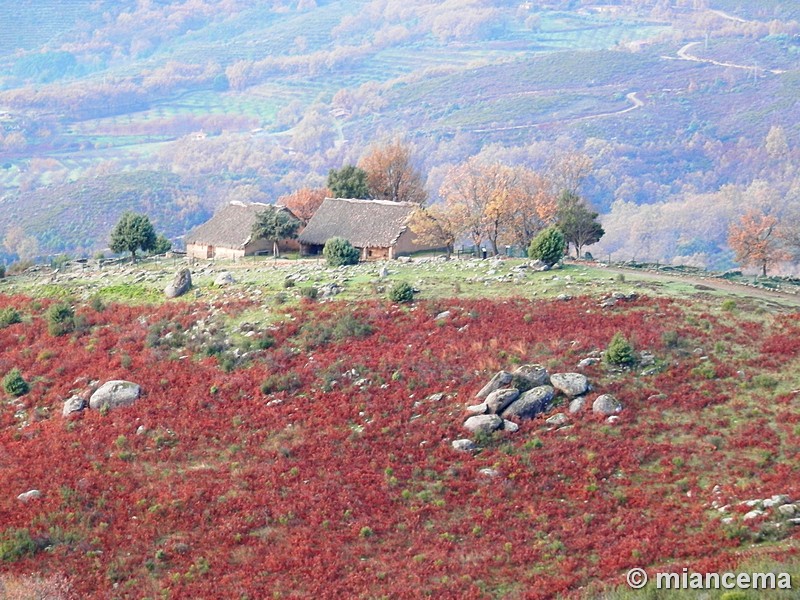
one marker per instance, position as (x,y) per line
(785,299)
(636,103)
(683,54)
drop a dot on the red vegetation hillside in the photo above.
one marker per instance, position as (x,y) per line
(318,467)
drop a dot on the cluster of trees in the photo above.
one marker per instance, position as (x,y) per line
(505,205)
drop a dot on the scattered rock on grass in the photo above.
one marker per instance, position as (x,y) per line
(73,405)
(577,404)
(557,420)
(463,445)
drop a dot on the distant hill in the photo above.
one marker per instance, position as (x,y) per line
(78,217)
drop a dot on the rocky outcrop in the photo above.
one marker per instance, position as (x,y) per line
(526,377)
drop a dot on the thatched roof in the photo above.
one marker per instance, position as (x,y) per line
(364,223)
(231,226)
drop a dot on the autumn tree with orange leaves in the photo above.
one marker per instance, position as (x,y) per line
(499,203)
(756,241)
(304,202)
(391,174)
(439,224)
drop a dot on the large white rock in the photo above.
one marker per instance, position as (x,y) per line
(181,283)
(606,404)
(483,423)
(571,384)
(115,394)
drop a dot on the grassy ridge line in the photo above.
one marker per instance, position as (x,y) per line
(265,280)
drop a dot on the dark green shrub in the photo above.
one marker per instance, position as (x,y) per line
(288,283)
(338,251)
(619,352)
(14,384)
(548,246)
(309,292)
(60,319)
(264,342)
(280,382)
(671,339)
(9,316)
(350,327)
(17,544)
(97,304)
(2,271)
(401,292)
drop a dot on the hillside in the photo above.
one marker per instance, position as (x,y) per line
(672,104)
(77,217)
(288,447)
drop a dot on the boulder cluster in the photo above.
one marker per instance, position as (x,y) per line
(526,393)
(112,394)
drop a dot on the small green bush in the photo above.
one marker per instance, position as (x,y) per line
(619,352)
(705,370)
(548,246)
(9,316)
(401,292)
(60,319)
(288,283)
(14,384)
(728,305)
(338,251)
(734,596)
(2,271)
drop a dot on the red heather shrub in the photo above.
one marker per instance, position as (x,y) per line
(349,488)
